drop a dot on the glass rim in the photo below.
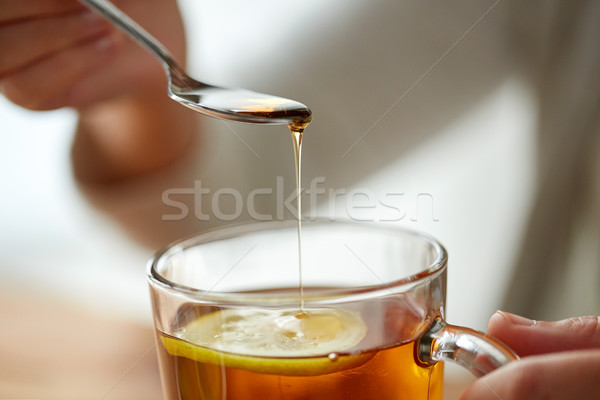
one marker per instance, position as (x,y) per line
(327,295)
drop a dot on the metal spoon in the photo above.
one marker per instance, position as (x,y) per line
(231,104)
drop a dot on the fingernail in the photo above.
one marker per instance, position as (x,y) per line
(90,18)
(104,43)
(516,319)
(89,15)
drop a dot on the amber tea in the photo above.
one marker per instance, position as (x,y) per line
(356,351)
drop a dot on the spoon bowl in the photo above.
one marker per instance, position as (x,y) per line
(238,105)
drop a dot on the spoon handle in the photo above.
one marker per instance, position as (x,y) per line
(122,20)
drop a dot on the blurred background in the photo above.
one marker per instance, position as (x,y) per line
(474,121)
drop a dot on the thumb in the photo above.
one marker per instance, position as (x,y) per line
(557,376)
(528,337)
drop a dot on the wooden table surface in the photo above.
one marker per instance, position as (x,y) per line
(53,350)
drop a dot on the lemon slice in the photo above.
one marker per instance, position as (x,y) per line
(282,342)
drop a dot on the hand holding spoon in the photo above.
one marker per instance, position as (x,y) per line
(231,104)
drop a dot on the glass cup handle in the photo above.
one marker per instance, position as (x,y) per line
(473,350)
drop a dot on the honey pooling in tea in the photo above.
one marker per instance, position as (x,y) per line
(282,342)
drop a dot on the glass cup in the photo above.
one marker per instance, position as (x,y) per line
(236,317)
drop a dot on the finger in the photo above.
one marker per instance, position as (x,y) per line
(527,337)
(46,85)
(12,10)
(30,41)
(559,376)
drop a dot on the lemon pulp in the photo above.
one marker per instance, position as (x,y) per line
(282,342)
